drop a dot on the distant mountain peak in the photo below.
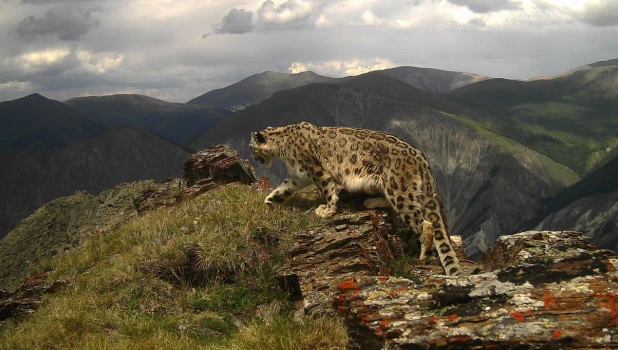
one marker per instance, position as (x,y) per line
(34,97)
(256,88)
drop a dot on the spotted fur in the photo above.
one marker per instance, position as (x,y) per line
(363,161)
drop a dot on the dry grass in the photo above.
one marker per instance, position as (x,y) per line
(284,333)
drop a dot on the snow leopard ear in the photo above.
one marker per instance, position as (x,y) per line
(259,137)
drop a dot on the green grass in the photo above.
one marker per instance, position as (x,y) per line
(197,275)
(541,164)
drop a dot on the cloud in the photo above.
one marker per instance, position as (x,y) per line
(98,63)
(484,6)
(603,13)
(16,86)
(370,18)
(39,60)
(67,23)
(292,14)
(289,15)
(236,22)
(156,49)
(341,68)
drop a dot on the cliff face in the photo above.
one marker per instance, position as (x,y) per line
(595,215)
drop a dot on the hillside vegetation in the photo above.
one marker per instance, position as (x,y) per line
(200,274)
(572,118)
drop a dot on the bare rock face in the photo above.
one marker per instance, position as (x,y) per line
(548,290)
(219,164)
(349,246)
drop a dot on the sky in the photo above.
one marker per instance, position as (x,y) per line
(176,50)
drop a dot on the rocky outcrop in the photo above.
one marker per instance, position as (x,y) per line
(26,299)
(350,246)
(219,164)
(202,171)
(548,290)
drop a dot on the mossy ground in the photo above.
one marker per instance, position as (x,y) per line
(200,274)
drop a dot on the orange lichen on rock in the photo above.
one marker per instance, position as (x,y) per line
(518,316)
(347,285)
(548,299)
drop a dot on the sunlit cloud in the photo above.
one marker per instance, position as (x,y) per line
(100,63)
(35,60)
(337,68)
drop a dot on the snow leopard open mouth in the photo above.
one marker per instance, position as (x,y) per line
(259,159)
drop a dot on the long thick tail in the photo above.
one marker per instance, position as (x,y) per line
(435,227)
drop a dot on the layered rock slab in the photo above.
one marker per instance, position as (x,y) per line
(551,290)
(349,246)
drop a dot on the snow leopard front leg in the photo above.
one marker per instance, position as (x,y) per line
(325,182)
(287,188)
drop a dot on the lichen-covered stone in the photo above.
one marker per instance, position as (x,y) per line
(347,247)
(554,290)
(219,164)
(350,245)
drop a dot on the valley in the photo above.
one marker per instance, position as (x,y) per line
(502,151)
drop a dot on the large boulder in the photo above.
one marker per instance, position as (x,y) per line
(546,290)
(219,164)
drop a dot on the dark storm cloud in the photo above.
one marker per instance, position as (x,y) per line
(600,14)
(236,22)
(67,23)
(484,6)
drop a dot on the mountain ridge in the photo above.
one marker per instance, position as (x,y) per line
(176,122)
(28,180)
(255,89)
(572,118)
(36,123)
